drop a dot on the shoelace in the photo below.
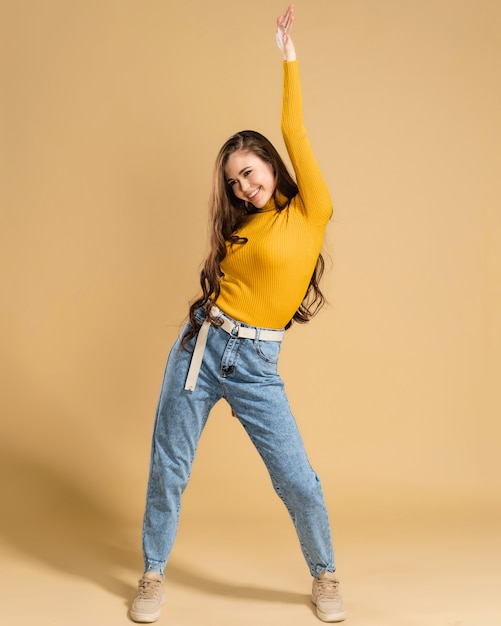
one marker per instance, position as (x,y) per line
(327,588)
(148,589)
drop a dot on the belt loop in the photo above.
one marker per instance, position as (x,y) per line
(216,311)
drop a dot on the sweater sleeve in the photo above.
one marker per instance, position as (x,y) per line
(313,190)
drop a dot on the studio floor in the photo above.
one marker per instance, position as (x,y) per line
(77,571)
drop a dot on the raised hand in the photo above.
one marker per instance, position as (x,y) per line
(284,41)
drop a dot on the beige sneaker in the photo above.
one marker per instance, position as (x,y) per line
(326,597)
(149,598)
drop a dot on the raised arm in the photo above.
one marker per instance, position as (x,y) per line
(313,190)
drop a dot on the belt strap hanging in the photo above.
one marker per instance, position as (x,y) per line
(197,357)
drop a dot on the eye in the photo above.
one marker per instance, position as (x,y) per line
(247,172)
(231,182)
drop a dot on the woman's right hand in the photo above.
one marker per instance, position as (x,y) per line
(284,41)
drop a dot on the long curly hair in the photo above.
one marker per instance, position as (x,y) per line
(226,215)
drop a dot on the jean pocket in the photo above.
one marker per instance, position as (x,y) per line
(268,350)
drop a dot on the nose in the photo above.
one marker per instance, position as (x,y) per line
(244,185)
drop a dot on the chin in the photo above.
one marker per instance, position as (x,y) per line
(263,203)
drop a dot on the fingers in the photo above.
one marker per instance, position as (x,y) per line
(285,21)
(284,26)
(288,18)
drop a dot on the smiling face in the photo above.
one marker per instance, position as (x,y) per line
(250,178)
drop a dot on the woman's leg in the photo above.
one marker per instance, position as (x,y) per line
(180,418)
(256,393)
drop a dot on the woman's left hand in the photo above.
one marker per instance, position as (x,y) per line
(284,41)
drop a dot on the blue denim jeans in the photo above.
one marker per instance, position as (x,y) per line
(244,372)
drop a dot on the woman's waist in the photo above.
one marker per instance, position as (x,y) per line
(258,311)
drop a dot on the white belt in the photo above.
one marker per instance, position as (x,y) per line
(235,330)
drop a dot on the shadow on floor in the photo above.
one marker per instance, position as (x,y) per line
(48,518)
(182,576)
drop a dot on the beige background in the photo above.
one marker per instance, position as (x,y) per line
(112,113)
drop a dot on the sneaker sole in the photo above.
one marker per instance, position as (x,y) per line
(330,617)
(146,618)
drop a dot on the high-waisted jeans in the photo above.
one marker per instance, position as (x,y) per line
(244,372)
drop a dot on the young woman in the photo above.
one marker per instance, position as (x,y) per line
(266,236)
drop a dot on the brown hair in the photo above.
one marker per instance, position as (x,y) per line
(226,213)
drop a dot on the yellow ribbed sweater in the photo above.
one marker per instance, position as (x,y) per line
(265,279)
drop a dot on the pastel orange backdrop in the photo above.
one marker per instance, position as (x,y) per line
(112,115)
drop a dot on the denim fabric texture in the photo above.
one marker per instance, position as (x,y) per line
(245,373)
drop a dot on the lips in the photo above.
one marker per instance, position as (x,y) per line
(253,195)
